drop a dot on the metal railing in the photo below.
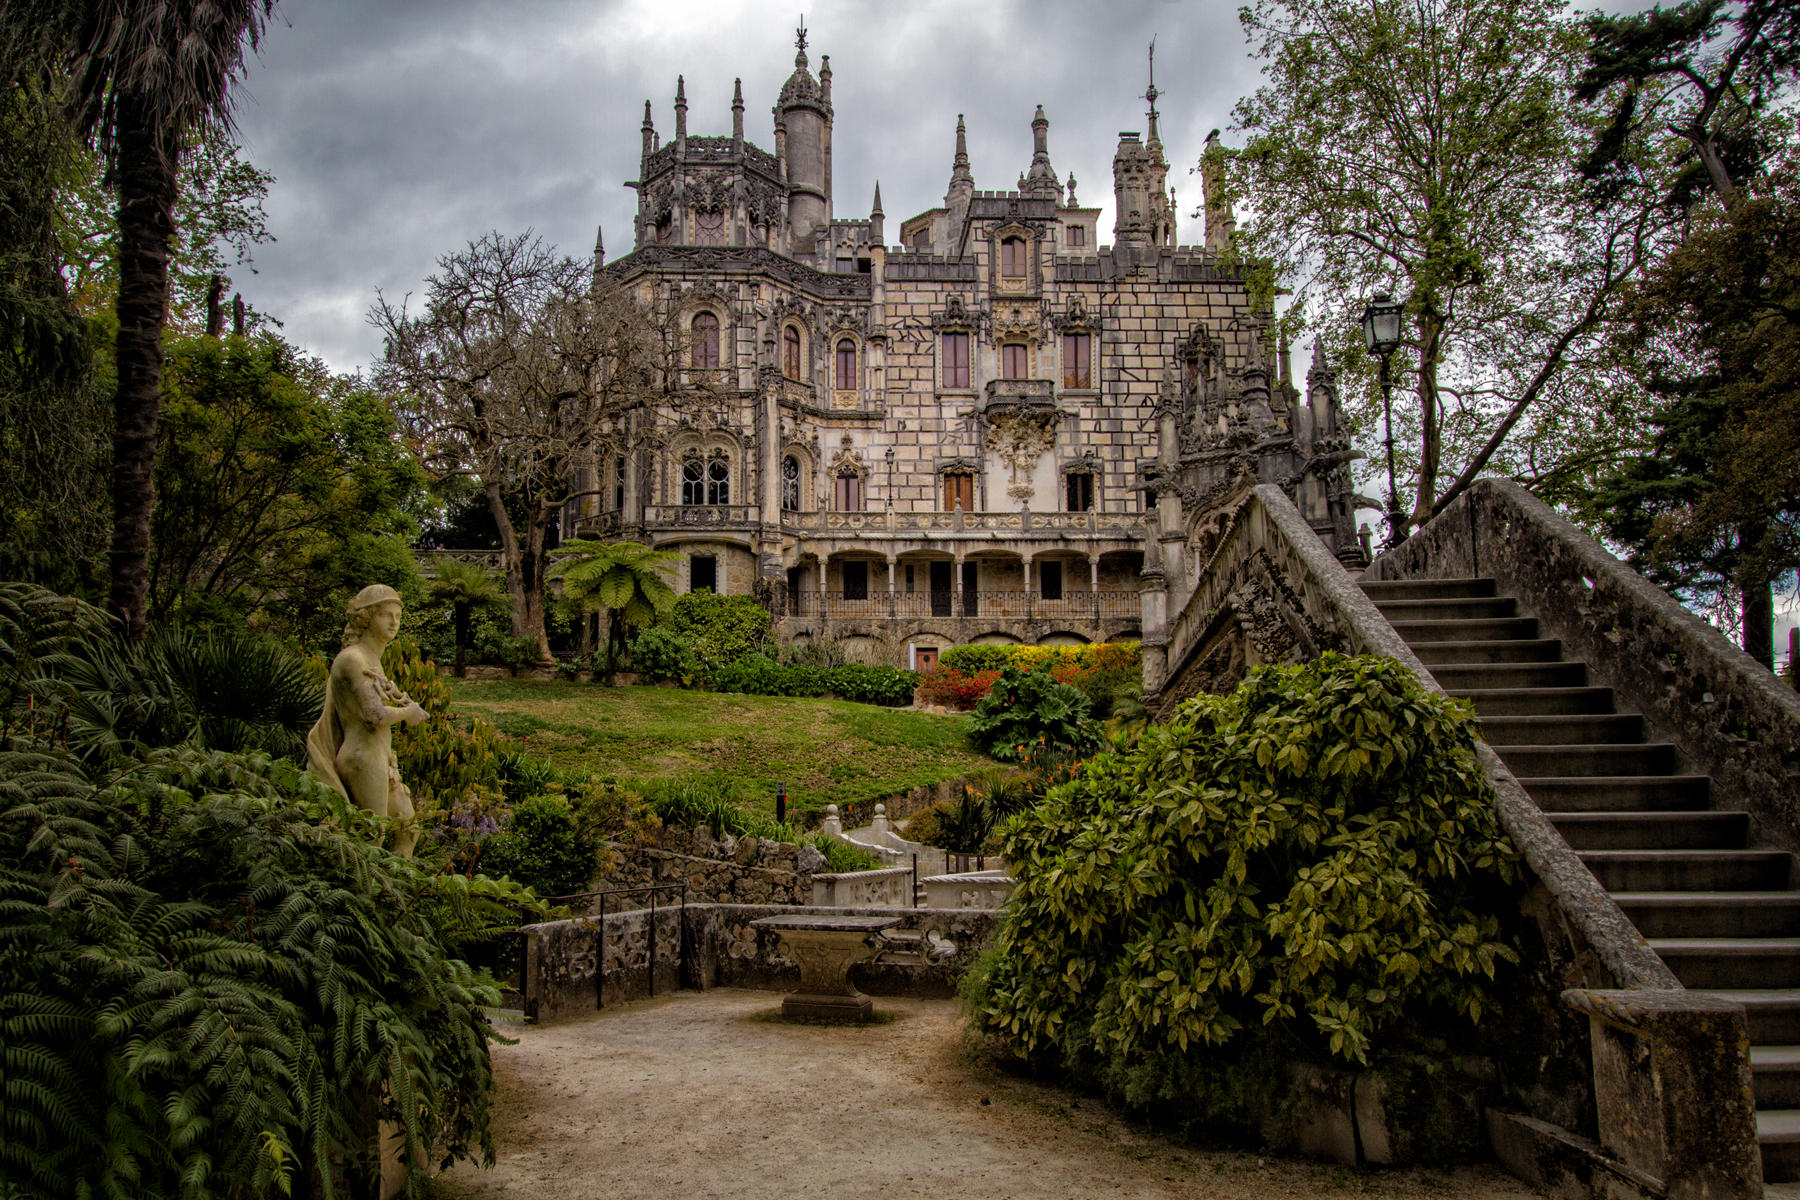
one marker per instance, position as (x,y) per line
(600,931)
(874,604)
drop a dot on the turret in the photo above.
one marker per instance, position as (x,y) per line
(803,122)
(1131,192)
(1040,179)
(680,117)
(961,191)
(1221,224)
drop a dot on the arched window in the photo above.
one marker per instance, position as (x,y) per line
(956,360)
(846,365)
(1013,361)
(847,494)
(693,479)
(718,478)
(790,352)
(706,341)
(1013,259)
(1078,360)
(790,484)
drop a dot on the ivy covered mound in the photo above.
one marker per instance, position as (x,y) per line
(1307,869)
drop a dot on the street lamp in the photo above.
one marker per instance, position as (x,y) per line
(1381,334)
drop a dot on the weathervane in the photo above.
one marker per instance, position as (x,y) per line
(1152,93)
(800,34)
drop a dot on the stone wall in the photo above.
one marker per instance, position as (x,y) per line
(716,945)
(890,887)
(728,870)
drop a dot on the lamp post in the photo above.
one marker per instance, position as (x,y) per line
(1381,333)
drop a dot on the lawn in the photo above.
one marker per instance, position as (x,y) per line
(826,751)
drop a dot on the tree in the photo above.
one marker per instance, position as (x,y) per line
(517,375)
(140,75)
(282,489)
(1710,506)
(622,577)
(1427,148)
(467,588)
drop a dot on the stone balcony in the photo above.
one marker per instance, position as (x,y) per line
(1021,393)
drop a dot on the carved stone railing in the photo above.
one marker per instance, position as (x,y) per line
(1118,527)
(600,525)
(1021,391)
(701,516)
(1271,592)
(876,603)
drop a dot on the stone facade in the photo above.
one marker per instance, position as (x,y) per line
(988,432)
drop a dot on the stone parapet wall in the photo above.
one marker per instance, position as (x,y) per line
(717,945)
(890,887)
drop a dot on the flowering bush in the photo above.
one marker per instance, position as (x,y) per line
(952,688)
(1026,708)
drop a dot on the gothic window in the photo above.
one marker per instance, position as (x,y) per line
(1013,361)
(1079,489)
(959,491)
(1078,351)
(693,479)
(709,229)
(718,479)
(846,365)
(706,341)
(1013,258)
(790,352)
(846,494)
(665,230)
(790,484)
(856,580)
(956,360)
(1077,235)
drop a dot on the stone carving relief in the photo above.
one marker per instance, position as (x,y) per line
(1020,437)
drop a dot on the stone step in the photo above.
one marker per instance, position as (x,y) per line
(1775,1071)
(1618,793)
(1481,653)
(1508,676)
(1712,914)
(1690,870)
(1778,1134)
(1474,608)
(1642,758)
(1731,962)
(1535,701)
(1563,729)
(1654,830)
(1380,590)
(1773,1014)
(1484,630)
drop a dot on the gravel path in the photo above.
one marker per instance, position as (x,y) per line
(705,1095)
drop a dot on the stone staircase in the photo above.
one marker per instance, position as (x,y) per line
(1723,915)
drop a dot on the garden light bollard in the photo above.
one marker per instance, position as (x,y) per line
(781,802)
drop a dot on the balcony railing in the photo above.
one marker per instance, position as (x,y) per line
(874,604)
(1021,391)
(878,522)
(706,516)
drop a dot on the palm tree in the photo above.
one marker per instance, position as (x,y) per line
(141,75)
(467,588)
(622,577)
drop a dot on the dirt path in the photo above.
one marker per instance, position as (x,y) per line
(703,1095)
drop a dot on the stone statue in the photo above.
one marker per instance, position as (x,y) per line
(351,747)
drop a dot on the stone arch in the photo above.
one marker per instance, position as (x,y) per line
(1062,637)
(996,637)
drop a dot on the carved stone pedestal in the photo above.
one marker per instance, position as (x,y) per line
(825,948)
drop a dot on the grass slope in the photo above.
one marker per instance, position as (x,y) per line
(826,751)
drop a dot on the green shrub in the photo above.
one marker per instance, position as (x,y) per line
(888,686)
(444,763)
(972,659)
(1024,708)
(842,857)
(1311,864)
(541,848)
(659,653)
(721,629)
(756,675)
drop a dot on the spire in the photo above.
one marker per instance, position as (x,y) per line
(1150,94)
(1072,203)
(649,131)
(1041,178)
(599,244)
(875,211)
(680,108)
(737,110)
(825,77)
(1221,222)
(959,167)
(877,220)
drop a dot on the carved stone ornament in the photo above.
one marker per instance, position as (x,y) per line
(1017,321)
(847,459)
(1076,318)
(1020,437)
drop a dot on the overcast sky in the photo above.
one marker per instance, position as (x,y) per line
(399,131)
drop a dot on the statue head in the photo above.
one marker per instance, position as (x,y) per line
(363,606)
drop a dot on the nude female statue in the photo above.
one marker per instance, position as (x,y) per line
(351,747)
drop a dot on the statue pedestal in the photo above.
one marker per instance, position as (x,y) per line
(826,948)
